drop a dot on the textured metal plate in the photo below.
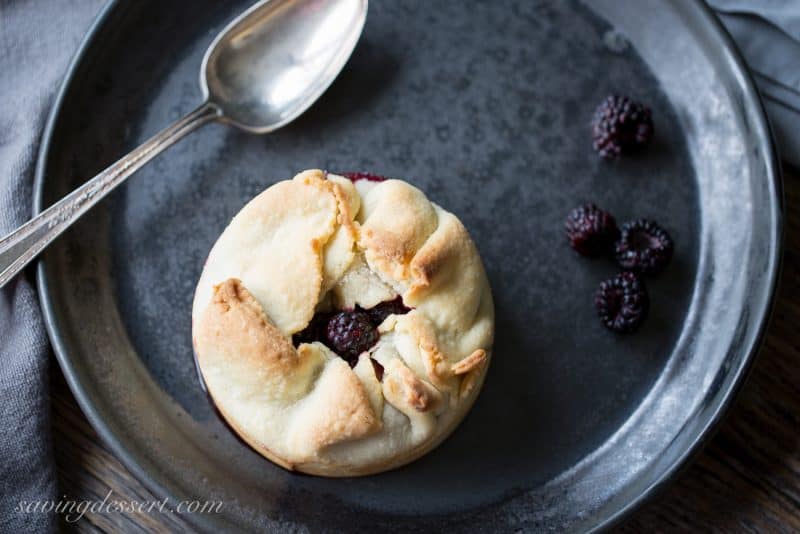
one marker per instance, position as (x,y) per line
(486,108)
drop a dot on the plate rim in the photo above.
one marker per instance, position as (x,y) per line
(708,22)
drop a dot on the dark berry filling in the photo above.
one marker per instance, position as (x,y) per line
(383,310)
(378,368)
(621,126)
(315,331)
(350,332)
(644,247)
(356,176)
(622,302)
(590,230)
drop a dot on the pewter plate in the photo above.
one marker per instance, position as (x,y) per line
(486,107)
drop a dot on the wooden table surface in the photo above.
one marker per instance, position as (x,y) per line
(747,478)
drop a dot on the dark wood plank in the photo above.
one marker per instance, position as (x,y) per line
(87,471)
(747,479)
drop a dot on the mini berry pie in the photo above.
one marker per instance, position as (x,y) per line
(343,326)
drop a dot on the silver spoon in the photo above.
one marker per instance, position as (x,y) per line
(262,71)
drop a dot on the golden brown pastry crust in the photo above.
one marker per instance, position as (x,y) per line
(319,240)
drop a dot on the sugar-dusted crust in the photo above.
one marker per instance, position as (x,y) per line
(321,241)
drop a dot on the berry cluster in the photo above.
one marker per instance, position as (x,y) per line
(350,332)
(640,247)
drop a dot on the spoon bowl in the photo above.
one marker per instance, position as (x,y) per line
(271,63)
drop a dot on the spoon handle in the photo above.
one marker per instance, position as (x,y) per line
(19,247)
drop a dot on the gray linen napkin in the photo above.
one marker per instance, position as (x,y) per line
(37,39)
(768,35)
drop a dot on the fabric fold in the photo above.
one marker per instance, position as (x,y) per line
(37,40)
(767,33)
